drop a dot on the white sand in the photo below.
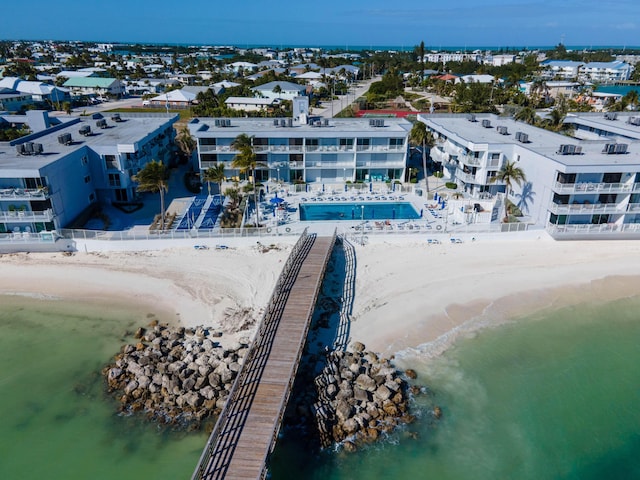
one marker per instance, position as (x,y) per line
(426,295)
(407,293)
(225,289)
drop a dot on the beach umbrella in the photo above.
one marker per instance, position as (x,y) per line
(306,187)
(323,187)
(277,200)
(421,212)
(370,187)
(345,187)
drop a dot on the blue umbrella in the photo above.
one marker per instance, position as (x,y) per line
(277,200)
(370,187)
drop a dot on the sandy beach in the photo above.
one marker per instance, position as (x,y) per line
(408,294)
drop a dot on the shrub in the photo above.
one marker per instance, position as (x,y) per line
(438,174)
(451,185)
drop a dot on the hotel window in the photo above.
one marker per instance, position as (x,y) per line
(84,160)
(121,195)
(396,142)
(346,142)
(114,179)
(111,162)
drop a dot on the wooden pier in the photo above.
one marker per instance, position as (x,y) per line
(246,431)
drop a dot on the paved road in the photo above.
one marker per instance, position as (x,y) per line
(330,109)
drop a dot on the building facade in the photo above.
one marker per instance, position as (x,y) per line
(573,187)
(315,150)
(49,178)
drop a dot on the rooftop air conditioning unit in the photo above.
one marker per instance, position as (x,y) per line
(276,122)
(65,139)
(566,149)
(472,118)
(611,115)
(578,150)
(522,137)
(20,149)
(325,122)
(37,149)
(486,123)
(615,148)
(85,130)
(372,123)
(283,122)
(289,122)
(102,123)
(116,117)
(502,130)
(634,121)
(216,122)
(621,148)
(28,148)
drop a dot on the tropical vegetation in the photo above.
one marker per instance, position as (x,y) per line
(154,178)
(510,173)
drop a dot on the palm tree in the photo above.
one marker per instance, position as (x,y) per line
(215,174)
(185,142)
(421,54)
(246,161)
(509,173)
(154,178)
(527,115)
(419,135)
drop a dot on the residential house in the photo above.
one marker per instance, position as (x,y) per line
(81,86)
(280,90)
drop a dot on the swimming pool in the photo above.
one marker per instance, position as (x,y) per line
(353,211)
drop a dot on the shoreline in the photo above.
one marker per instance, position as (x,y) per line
(409,297)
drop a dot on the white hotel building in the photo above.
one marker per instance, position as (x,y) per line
(314,151)
(575,188)
(63,170)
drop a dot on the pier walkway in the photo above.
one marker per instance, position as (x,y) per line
(246,431)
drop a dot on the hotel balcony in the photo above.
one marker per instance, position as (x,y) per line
(324,164)
(24,194)
(379,164)
(380,148)
(329,148)
(467,177)
(595,187)
(469,160)
(589,229)
(26,217)
(584,209)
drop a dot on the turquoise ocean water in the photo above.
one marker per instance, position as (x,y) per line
(555,398)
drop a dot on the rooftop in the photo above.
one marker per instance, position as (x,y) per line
(205,127)
(543,142)
(133,128)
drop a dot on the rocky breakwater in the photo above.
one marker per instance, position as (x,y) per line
(360,396)
(175,375)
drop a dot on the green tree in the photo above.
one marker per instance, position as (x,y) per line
(186,143)
(154,178)
(215,174)
(247,161)
(527,115)
(419,135)
(509,174)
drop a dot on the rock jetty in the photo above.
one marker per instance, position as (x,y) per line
(359,396)
(176,376)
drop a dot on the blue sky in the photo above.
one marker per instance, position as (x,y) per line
(505,23)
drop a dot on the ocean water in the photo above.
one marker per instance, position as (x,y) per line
(56,421)
(555,396)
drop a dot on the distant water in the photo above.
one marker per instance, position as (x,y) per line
(555,398)
(57,424)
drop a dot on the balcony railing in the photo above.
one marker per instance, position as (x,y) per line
(584,208)
(589,187)
(633,207)
(380,164)
(24,193)
(466,177)
(325,164)
(588,229)
(380,148)
(469,160)
(26,217)
(329,148)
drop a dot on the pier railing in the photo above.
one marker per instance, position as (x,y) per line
(217,454)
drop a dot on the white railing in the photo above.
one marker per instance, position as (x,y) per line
(28,237)
(588,229)
(633,207)
(465,177)
(584,209)
(379,164)
(23,194)
(219,233)
(25,216)
(588,187)
(469,160)
(326,164)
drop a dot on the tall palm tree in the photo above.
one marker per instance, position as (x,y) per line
(154,178)
(185,142)
(509,173)
(215,174)
(421,54)
(247,161)
(419,135)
